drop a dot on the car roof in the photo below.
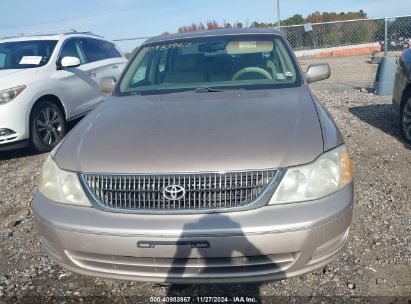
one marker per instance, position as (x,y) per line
(212,33)
(40,36)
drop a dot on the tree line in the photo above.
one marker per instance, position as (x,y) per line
(297,19)
(322,29)
(321,35)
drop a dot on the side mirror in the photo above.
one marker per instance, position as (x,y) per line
(317,72)
(107,84)
(70,62)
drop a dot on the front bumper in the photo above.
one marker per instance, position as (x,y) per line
(13,116)
(269,243)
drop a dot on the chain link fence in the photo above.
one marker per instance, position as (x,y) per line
(353,48)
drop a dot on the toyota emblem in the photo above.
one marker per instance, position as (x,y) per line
(174,192)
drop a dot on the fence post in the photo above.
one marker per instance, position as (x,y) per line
(386,37)
(278,13)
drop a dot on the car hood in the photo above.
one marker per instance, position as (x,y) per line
(15,77)
(194,132)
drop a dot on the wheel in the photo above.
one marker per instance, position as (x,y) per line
(47,126)
(405,120)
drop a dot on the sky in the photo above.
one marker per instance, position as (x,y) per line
(115,19)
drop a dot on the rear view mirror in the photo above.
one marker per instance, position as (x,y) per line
(249,47)
(317,72)
(107,84)
(70,62)
(211,47)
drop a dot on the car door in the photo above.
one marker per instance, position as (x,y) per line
(115,63)
(111,65)
(77,84)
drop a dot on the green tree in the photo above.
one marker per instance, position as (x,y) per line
(294,20)
(238,25)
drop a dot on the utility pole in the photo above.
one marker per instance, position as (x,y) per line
(278,14)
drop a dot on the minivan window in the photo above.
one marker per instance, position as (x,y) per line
(2,59)
(110,49)
(240,62)
(72,48)
(93,49)
(25,54)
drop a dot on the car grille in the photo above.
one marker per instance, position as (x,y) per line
(192,191)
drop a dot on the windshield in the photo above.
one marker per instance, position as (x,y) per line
(238,62)
(25,54)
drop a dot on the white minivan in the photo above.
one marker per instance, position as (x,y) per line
(49,79)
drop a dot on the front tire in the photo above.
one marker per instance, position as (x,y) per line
(405,120)
(47,126)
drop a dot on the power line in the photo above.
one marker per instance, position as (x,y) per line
(89,16)
(133,38)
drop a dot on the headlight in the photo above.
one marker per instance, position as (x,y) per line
(326,175)
(9,94)
(61,186)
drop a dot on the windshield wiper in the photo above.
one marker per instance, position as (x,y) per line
(206,90)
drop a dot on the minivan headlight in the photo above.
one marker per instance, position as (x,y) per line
(61,186)
(327,174)
(9,94)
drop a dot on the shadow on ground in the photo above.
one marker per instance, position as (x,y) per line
(251,291)
(380,116)
(16,154)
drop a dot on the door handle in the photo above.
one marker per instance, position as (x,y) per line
(115,67)
(92,74)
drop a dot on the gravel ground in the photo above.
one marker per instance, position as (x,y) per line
(374,268)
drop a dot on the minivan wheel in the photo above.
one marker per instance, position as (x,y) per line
(406,120)
(47,126)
